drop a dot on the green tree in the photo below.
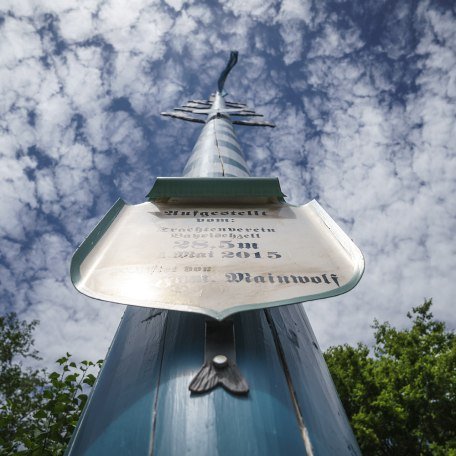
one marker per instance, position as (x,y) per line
(400,396)
(38,410)
(17,384)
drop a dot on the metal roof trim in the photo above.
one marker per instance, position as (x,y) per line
(218,187)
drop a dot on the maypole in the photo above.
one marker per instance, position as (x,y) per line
(214,354)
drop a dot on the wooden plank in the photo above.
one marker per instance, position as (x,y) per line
(119,415)
(324,418)
(219,423)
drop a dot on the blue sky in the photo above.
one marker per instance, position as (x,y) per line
(363,95)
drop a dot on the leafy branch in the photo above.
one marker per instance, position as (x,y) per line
(38,410)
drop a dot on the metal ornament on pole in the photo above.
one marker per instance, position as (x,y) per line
(220,296)
(219,366)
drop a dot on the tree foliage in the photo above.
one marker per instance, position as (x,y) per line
(38,410)
(400,396)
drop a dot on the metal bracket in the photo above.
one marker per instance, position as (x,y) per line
(219,366)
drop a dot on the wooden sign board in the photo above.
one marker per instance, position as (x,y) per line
(216,260)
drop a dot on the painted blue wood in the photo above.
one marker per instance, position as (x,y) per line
(219,423)
(119,416)
(141,404)
(322,413)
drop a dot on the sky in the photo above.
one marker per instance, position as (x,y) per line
(363,95)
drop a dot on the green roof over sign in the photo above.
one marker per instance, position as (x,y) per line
(216,187)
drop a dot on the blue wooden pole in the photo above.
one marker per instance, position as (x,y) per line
(141,404)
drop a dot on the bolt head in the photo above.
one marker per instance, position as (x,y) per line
(220,361)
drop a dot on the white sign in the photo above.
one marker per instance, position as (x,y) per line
(216,260)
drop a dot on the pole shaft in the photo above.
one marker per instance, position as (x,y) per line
(141,404)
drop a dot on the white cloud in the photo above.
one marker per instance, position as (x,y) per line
(200,13)
(17,196)
(19,41)
(76,24)
(293,37)
(295,10)
(138,29)
(175,4)
(336,42)
(257,9)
